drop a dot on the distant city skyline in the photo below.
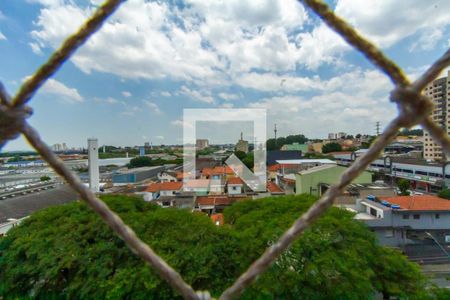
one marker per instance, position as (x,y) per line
(129,84)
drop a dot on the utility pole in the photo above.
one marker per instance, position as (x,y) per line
(275,131)
(377,128)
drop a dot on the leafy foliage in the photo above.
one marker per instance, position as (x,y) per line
(273,144)
(45,178)
(67,252)
(336,258)
(403,185)
(144,161)
(331,147)
(445,193)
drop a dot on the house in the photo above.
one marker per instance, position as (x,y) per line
(214,204)
(162,189)
(235,186)
(217,172)
(402,220)
(166,176)
(197,186)
(178,201)
(217,186)
(316,180)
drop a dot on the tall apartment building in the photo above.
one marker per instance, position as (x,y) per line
(439,92)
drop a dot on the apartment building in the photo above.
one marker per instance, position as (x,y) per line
(439,92)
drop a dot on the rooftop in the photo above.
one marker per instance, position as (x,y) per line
(273,188)
(419,202)
(164,186)
(306,161)
(316,169)
(235,180)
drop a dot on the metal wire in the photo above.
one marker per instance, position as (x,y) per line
(414,108)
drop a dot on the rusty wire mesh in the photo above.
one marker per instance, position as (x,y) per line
(413,107)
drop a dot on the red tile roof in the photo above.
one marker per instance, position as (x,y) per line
(215,200)
(164,186)
(218,170)
(235,180)
(422,202)
(272,187)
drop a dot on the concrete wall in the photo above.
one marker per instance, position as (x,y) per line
(309,183)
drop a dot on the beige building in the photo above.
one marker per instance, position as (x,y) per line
(439,92)
(242,145)
(201,144)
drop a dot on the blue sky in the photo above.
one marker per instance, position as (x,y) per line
(129,84)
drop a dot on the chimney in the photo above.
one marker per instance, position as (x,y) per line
(94,176)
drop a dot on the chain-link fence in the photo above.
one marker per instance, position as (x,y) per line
(414,108)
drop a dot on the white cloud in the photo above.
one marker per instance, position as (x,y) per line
(2,16)
(153,106)
(177,123)
(36,48)
(108,100)
(272,82)
(126,94)
(130,110)
(229,96)
(196,95)
(166,94)
(2,36)
(159,137)
(63,92)
(389,21)
(362,81)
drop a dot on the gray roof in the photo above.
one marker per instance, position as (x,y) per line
(22,206)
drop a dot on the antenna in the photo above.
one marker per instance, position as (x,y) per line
(275,131)
(377,128)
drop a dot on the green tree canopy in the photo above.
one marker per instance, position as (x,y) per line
(445,193)
(45,178)
(67,252)
(403,185)
(273,144)
(331,147)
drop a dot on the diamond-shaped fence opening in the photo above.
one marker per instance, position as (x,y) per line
(413,109)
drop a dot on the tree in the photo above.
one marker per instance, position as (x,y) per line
(240,154)
(331,147)
(403,185)
(445,193)
(273,144)
(249,160)
(144,161)
(45,178)
(336,258)
(67,252)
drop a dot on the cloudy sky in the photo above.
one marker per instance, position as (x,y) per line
(130,82)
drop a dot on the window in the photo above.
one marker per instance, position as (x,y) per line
(405,216)
(389,233)
(417,217)
(373,212)
(437,216)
